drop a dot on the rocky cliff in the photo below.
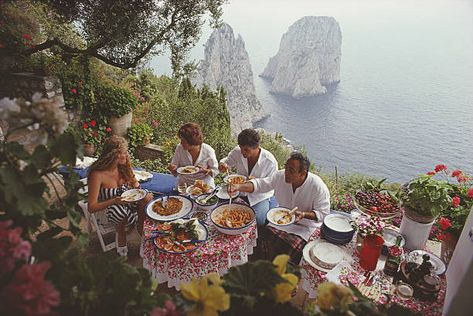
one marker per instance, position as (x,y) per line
(226,64)
(308,58)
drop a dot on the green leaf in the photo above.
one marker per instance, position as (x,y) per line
(65,148)
(53,231)
(41,158)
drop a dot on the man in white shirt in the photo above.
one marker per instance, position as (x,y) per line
(293,186)
(254,162)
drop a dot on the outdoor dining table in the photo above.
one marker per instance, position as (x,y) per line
(217,254)
(352,272)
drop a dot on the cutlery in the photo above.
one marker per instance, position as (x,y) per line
(204,200)
(284,215)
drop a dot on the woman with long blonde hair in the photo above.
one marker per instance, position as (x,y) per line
(108,178)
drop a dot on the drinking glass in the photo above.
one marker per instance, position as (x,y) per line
(182,188)
(370,252)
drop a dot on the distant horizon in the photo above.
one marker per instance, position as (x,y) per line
(405,99)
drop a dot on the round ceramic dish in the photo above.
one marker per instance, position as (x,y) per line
(187,206)
(232,230)
(211,203)
(275,213)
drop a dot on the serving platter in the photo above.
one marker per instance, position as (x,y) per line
(437,263)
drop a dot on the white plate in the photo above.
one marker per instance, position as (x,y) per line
(187,205)
(142,175)
(416,256)
(193,196)
(306,254)
(230,176)
(191,169)
(223,194)
(273,214)
(133,195)
(338,223)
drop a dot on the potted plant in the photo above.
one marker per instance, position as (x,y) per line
(139,134)
(451,221)
(117,104)
(92,135)
(425,198)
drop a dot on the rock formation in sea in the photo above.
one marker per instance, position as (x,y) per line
(308,58)
(226,63)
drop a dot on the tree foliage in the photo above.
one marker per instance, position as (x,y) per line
(123,32)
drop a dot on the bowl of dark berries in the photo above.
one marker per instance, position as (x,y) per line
(377,203)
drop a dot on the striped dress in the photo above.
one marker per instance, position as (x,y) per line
(117,213)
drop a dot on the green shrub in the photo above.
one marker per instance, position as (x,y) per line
(114,101)
(139,134)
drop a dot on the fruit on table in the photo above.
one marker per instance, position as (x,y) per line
(377,201)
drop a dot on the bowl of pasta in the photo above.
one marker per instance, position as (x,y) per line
(233,219)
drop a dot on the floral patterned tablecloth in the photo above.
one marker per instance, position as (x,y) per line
(311,278)
(217,254)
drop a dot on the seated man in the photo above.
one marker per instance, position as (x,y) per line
(293,186)
(252,161)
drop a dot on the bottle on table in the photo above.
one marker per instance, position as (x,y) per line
(394,259)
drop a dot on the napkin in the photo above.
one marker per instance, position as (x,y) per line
(84,163)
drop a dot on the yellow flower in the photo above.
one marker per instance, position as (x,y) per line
(282,292)
(214,277)
(209,299)
(331,296)
(281,263)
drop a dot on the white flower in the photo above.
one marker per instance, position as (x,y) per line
(8,106)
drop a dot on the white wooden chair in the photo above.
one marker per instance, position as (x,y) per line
(97,221)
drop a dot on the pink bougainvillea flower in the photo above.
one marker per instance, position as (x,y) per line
(12,247)
(469,193)
(439,168)
(85,125)
(456,173)
(93,123)
(74,91)
(445,223)
(455,201)
(108,129)
(26,37)
(430,173)
(154,123)
(28,293)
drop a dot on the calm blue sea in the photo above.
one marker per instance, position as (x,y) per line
(405,100)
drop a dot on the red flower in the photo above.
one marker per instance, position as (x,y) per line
(456,173)
(12,247)
(456,201)
(443,236)
(93,123)
(439,168)
(74,91)
(108,129)
(469,193)
(430,173)
(462,178)
(28,293)
(85,125)
(445,223)
(95,134)
(26,37)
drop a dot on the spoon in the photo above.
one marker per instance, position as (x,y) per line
(204,200)
(284,215)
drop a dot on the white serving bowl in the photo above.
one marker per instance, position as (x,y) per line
(210,205)
(237,230)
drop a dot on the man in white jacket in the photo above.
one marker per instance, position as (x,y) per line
(293,186)
(254,162)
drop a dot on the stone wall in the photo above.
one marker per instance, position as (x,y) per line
(26,84)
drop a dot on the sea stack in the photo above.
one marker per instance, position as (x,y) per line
(226,63)
(308,58)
